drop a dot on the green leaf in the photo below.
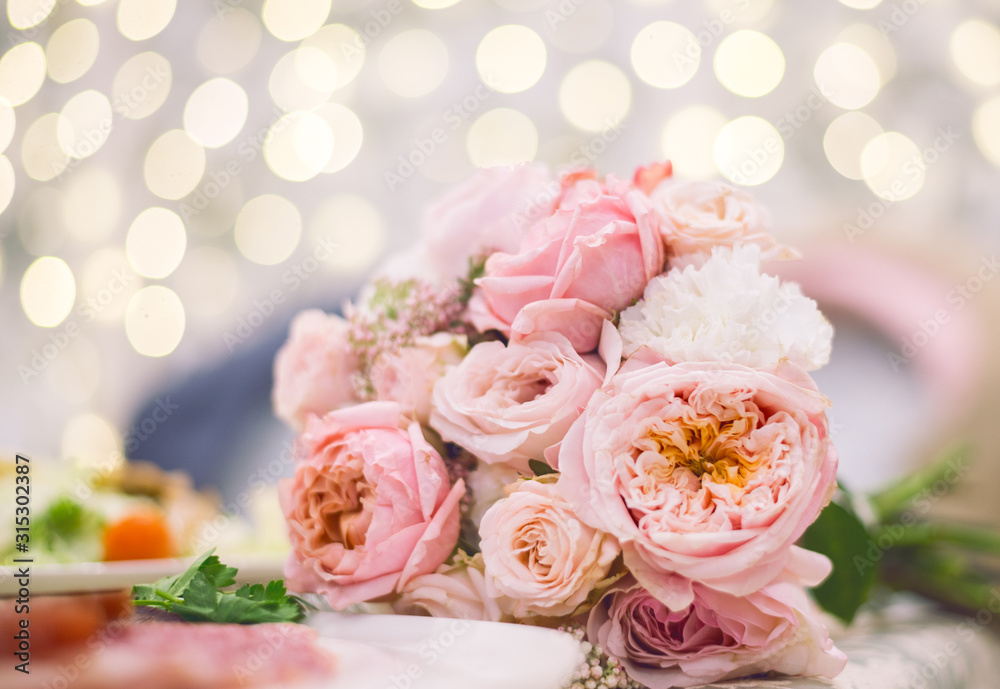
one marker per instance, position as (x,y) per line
(540,468)
(947,471)
(840,535)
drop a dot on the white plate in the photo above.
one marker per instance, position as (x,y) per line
(401,652)
(106,576)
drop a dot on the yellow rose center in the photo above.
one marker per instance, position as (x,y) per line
(707,448)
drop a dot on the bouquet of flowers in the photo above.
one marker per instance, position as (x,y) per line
(578,403)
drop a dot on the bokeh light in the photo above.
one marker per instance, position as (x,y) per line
(595,96)
(22,71)
(749,64)
(154,321)
(174,165)
(688,140)
(511,58)
(584,29)
(975,49)
(155,243)
(986,129)
(893,166)
(743,11)
(141,19)
(91,204)
(293,20)
(343,45)
(24,14)
(413,63)
(302,79)
(847,76)
(749,151)
(299,146)
(41,155)
(846,138)
(8,122)
(71,50)
(268,229)
(666,55)
(347,133)
(861,4)
(502,137)
(48,291)
(85,124)
(228,41)
(6,182)
(216,112)
(91,442)
(141,85)
(876,44)
(353,224)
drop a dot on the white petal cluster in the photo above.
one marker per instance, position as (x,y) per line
(726,310)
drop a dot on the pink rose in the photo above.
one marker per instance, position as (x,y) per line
(695,217)
(487,213)
(313,370)
(711,471)
(457,590)
(717,636)
(408,375)
(540,558)
(369,507)
(509,404)
(591,257)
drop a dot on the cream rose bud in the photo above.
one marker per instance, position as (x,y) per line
(540,558)
(697,216)
(487,484)
(407,376)
(456,590)
(509,404)
(313,370)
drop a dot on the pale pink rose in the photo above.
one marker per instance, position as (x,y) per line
(712,471)
(313,370)
(697,216)
(487,213)
(718,636)
(369,507)
(509,404)
(540,558)
(590,258)
(408,375)
(456,590)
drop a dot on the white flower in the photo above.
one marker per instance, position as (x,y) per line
(726,310)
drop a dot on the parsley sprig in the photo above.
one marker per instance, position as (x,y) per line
(197,595)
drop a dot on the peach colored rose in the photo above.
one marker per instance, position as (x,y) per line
(509,404)
(455,590)
(718,636)
(489,212)
(369,506)
(697,216)
(313,370)
(590,258)
(540,558)
(711,471)
(408,375)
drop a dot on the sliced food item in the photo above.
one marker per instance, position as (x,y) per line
(58,623)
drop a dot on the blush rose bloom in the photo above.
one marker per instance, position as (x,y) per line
(717,637)
(540,558)
(712,471)
(408,375)
(509,404)
(489,212)
(369,506)
(697,216)
(453,590)
(313,370)
(591,257)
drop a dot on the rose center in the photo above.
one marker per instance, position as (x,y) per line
(346,513)
(707,448)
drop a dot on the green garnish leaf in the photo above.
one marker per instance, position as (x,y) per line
(540,468)
(840,535)
(197,595)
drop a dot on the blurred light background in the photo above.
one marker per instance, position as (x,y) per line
(172,173)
